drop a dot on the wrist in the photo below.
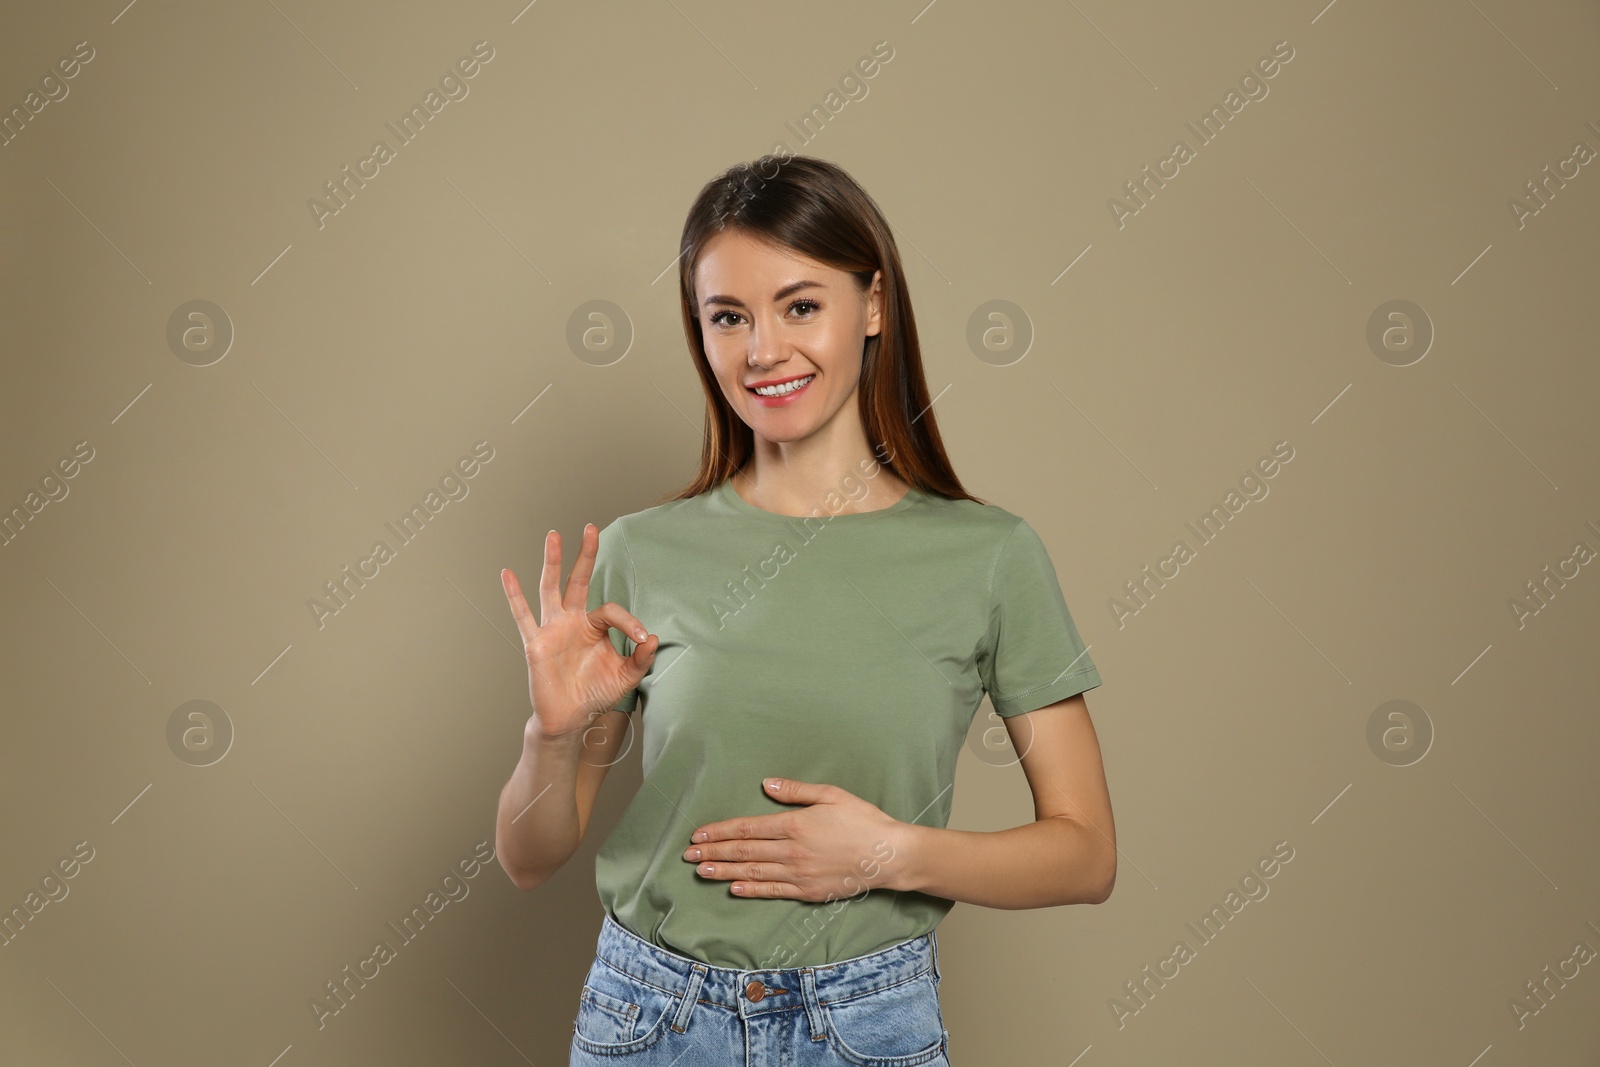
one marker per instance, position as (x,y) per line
(559,746)
(904,868)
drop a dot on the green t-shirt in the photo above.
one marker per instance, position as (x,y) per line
(852,649)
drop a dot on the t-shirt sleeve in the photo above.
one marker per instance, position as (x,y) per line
(1031,655)
(613,580)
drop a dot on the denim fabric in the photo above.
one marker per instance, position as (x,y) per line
(642,1006)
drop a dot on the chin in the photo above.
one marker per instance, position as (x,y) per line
(783,439)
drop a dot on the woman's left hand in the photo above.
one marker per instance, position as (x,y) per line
(839,845)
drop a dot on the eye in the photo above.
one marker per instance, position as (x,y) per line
(811,307)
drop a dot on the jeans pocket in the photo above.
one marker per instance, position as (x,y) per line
(897,1026)
(618,1013)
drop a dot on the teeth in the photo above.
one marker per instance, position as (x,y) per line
(786,387)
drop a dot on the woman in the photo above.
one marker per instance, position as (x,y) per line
(830,606)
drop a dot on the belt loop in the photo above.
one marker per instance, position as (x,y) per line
(691,994)
(808,994)
(933,945)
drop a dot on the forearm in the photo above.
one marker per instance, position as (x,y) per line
(536,830)
(1042,864)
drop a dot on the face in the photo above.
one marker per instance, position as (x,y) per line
(770,315)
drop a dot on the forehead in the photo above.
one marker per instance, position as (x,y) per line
(734,259)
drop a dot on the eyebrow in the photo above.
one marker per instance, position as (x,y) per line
(792,287)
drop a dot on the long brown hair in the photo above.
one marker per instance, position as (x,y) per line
(814,208)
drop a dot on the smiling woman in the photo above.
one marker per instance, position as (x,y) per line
(771,893)
(797,353)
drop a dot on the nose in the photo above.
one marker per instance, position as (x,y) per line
(764,349)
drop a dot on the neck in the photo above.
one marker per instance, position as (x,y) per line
(801,489)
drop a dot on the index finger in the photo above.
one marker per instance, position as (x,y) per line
(764,827)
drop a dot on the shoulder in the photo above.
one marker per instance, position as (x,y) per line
(1001,544)
(642,523)
(989,523)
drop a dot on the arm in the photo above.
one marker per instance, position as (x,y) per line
(545,807)
(1067,855)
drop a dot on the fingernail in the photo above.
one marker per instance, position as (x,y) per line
(699,836)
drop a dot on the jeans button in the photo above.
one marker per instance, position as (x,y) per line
(755,990)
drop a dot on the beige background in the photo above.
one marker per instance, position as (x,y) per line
(371,353)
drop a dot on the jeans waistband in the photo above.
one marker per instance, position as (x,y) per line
(753,992)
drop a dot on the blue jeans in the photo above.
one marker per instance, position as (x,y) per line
(642,1006)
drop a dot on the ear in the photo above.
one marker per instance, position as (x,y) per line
(875,304)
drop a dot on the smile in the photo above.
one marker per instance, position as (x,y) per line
(774,395)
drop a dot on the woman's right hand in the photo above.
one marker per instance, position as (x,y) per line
(574,671)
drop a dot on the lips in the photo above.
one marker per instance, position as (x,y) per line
(784,399)
(779,381)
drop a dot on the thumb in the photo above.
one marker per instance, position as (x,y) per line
(644,653)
